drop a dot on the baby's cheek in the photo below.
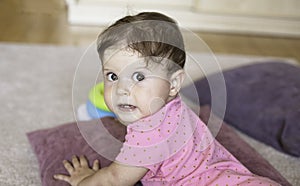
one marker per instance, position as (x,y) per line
(148,103)
(141,98)
(108,97)
(155,104)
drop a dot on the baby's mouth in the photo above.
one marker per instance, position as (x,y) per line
(126,107)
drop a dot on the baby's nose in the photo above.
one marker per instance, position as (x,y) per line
(123,88)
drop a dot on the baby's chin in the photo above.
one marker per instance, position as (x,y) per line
(127,121)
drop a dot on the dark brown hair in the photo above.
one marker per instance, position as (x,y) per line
(153,35)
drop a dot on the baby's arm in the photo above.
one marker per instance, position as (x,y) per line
(115,174)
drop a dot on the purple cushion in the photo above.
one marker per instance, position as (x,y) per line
(53,145)
(263,101)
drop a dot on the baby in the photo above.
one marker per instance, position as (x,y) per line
(166,143)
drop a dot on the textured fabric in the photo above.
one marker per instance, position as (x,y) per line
(247,155)
(178,149)
(263,101)
(53,145)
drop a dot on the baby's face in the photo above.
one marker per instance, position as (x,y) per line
(133,89)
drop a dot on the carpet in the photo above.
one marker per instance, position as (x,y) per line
(36,92)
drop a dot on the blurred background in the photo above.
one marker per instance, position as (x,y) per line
(251,27)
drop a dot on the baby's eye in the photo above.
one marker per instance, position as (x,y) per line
(137,76)
(111,76)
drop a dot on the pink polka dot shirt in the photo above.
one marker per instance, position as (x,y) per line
(178,149)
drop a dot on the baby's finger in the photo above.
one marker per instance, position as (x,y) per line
(96,165)
(62,177)
(83,161)
(75,162)
(68,166)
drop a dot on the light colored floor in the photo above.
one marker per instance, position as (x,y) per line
(45,21)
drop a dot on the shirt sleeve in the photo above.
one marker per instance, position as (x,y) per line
(152,140)
(143,148)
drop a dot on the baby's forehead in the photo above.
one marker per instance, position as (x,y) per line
(127,58)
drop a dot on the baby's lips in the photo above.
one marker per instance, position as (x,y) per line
(126,107)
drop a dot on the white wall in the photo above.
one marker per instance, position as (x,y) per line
(265,17)
(274,8)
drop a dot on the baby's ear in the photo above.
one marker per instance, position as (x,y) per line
(176,81)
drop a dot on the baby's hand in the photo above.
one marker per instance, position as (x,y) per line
(78,170)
